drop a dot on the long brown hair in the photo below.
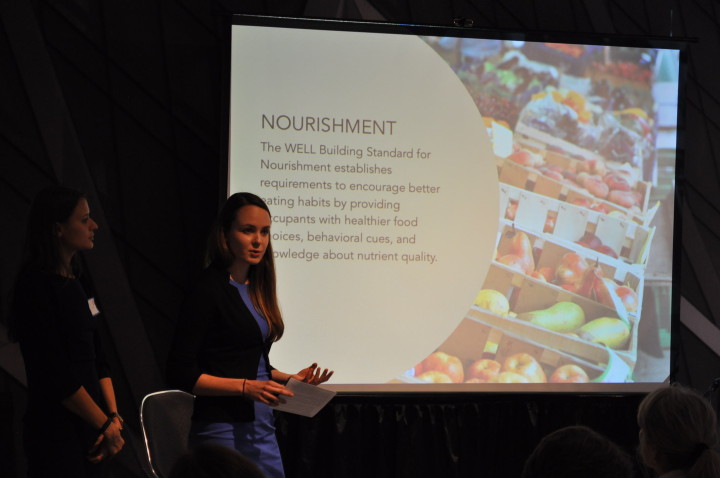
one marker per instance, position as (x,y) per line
(261,277)
(41,251)
(680,426)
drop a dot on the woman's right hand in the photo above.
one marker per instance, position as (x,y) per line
(265,391)
(108,444)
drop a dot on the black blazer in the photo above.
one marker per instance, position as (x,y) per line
(216,335)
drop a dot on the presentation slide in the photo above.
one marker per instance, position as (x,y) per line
(461,214)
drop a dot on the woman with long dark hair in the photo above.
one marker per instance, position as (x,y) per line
(223,338)
(71,424)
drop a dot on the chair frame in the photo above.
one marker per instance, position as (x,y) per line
(146,439)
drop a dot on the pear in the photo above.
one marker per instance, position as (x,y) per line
(561,317)
(609,331)
(517,243)
(492,300)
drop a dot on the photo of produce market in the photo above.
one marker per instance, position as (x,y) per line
(579,288)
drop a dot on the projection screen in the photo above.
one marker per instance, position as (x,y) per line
(455,210)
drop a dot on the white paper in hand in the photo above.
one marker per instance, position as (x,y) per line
(307,401)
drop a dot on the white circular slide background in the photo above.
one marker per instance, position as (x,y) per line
(368,319)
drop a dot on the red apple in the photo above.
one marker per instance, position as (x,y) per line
(600,207)
(526,158)
(551,173)
(596,187)
(570,287)
(607,250)
(537,275)
(623,198)
(483,370)
(569,373)
(547,272)
(447,364)
(582,202)
(617,181)
(590,240)
(628,297)
(525,364)
(571,269)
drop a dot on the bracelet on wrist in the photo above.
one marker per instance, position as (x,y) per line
(243,390)
(105,426)
(116,415)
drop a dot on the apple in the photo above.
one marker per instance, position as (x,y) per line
(570,287)
(571,269)
(596,187)
(617,181)
(510,377)
(601,207)
(628,297)
(590,240)
(607,250)
(537,275)
(623,198)
(483,370)
(526,158)
(582,202)
(433,376)
(569,373)
(547,272)
(525,364)
(551,173)
(445,363)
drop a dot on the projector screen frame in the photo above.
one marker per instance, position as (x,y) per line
(674,43)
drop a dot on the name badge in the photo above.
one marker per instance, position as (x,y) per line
(93,307)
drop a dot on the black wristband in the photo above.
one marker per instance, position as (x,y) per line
(105,426)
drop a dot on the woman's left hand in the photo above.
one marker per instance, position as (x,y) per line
(313,375)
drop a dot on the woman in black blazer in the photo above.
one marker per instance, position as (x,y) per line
(226,328)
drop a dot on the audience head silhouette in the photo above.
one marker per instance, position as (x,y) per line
(678,431)
(214,461)
(577,451)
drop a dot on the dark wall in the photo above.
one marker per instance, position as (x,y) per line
(125,101)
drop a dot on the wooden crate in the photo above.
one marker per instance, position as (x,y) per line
(567,156)
(481,335)
(549,250)
(526,294)
(566,223)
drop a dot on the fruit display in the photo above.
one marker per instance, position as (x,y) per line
(441,363)
(502,84)
(591,184)
(512,360)
(562,298)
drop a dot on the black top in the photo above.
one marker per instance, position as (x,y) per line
(216,335)
(60,344)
